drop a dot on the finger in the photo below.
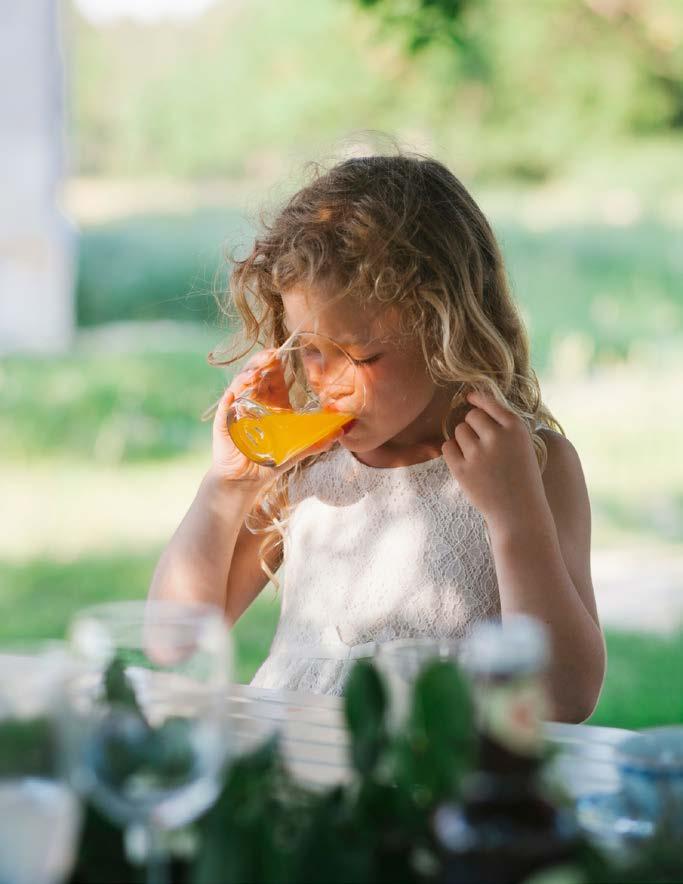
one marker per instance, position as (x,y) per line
(262,359)
(487,403)
(467,439)
(259,379)
(271,389)
(245,380)
(452,454)
(481,422)
(221,417)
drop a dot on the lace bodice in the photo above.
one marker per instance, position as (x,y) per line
(372,555)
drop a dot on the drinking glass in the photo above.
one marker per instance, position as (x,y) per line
(326,392)
(148,716)
(651,775)
(39,812)
(401,661)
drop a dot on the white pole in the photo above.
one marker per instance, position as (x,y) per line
(37,243)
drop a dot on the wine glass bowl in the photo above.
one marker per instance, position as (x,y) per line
(148,711)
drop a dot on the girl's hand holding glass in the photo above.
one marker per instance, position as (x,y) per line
(262,375)
(288,403)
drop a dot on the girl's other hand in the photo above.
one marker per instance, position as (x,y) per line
(264,378)
(492,457)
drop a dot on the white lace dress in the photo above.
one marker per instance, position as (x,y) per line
(372,555)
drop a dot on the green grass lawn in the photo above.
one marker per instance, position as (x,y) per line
(642,688)
(38,599)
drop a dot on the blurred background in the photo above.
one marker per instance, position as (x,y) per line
(140,139)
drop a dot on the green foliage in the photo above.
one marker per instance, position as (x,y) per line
(616,288)
(126,746)
(437,745)
(101,857)
(427,22)
(619,73)
(117,686)
(151,267)
(365,708)
(26,745)
(250,833)
(509,89)
(106,407)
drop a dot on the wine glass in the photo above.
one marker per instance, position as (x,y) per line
(326,392)
(39,812)
(148,716)
(401,660)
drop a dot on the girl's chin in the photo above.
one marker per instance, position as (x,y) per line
(357,446)
(347,441)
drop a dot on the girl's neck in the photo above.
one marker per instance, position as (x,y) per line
(419,441)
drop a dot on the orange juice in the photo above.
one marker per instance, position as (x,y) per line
(279,434)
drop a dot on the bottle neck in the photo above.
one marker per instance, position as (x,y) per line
(510,710)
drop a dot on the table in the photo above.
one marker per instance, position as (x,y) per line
(315,742)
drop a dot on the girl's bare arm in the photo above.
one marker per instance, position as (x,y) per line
(543,568)
(540,526)
(211,557)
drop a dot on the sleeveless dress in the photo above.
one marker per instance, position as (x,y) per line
(372,555)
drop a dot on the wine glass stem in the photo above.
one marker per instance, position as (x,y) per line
(144,844)
(157,867)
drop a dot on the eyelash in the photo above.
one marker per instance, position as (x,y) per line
(367,361)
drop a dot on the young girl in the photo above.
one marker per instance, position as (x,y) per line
(454,496)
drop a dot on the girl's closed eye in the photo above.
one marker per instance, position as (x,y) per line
(368,360)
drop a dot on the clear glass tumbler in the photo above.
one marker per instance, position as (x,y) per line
(39,812)
(325,392)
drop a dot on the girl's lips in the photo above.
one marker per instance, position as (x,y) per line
(348,427)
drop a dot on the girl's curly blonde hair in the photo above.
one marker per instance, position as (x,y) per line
(396,231)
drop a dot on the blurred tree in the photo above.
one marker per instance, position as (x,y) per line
(648,34)
(559,70)
(507,89)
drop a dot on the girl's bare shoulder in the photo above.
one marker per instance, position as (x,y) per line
(564,480)
(563,458)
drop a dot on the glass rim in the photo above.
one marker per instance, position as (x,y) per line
(291,345)
(25,646)
(134,610)
(658,757)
